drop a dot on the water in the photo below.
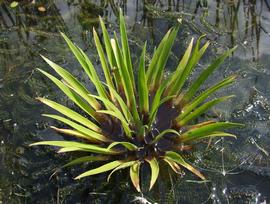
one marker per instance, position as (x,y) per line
(238,171)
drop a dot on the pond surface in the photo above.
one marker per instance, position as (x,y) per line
(238,170)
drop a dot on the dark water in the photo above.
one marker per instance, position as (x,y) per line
(238,171)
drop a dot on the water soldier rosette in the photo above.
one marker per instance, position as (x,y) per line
(134,121)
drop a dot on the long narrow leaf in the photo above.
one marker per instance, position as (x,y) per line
(111,57)
(175,167)
(106,167)
(159,70)
(90,133)
(127,83)
(72,81)
(157,101)
(72,149)
(95,79)
(142,85)
(173,156)
(86,64)
(71,114)
(135,175)
(205,74)
(121,166)
(198,100)
(202,109)
(86,159)
(122,104)
(71,95)
(197,133)
(180,68)
(193,61)
(164,132)
(74,133)
(155,58)
(103,60)
(125,48)
(154,171)
(115,112)
(127,145)
(89,147)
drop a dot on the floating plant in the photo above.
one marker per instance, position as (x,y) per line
(133,122)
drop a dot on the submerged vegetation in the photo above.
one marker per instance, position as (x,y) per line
(131,122)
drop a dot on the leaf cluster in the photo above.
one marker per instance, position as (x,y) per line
(123,124)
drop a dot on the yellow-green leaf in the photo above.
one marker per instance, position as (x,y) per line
(135,175)
(106,167)
(154,171)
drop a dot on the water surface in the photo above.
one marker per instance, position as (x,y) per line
(238,171)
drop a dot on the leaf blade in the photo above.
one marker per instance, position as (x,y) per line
(106,167)
(173,156)
(89,147)
(135,175)
(154,171)
(70,113)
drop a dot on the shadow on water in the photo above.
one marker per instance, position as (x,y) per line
(238,171)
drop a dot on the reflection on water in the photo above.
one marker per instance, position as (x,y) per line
(238,171)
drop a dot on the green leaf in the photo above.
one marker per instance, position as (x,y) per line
(103,60)
(91,134)
(95,79)
(87,65)
(173,156)
(175,167)
(218,134)
(106,167)
(115,112)
(72,149)
(205,94)
(123,105)
(74,83)
(72,133)
(154,171)
(159,70)
(85,159)
(71,95)
(201,132)
(68,144)
(135,175)
(71,114)
(157,101)
(14,4)
(193,61)
(180,68)
(205,74)
(77,54)
(125,48)
(142,85)
(151,69)
(202,109)
(110,55)
(164,132)
(213,134)
(127,83)
(127,145)
(107,43)
(121,166)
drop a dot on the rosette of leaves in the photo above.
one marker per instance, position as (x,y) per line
(148,119)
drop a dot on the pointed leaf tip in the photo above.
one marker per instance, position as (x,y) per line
(154,171)
(135,175)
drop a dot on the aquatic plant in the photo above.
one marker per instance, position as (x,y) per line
(129,122)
